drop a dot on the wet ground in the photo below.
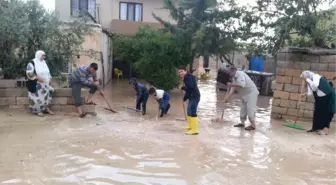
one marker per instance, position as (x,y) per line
(126,148)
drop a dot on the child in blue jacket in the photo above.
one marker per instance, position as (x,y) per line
(141,93)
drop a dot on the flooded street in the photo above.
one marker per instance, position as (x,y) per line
(126,148)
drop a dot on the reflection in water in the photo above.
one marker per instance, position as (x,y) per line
(92,172)
(127,148)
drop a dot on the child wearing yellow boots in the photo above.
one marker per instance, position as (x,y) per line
(192,94)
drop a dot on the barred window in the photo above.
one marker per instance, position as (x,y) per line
(80,6)
(65,67)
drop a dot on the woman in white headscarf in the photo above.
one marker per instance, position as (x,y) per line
(324,95)
(38,84)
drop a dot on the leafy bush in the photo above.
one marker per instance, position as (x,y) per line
(155,55)
(26,27)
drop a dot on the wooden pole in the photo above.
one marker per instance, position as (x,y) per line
(185,114)
(299,102)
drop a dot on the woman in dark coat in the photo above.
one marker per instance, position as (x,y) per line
(324,95)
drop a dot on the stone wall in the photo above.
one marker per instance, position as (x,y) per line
(290,63)
(12,95)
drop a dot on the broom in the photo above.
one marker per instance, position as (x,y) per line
(185,114)
(109,106)
(221,118)
(294,125)
(133,109)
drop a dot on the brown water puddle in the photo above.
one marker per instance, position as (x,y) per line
(126,148)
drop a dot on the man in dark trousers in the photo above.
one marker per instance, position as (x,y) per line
(141,93)
(193,95)
(81,78)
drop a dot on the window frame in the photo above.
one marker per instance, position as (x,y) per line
(79,7)
(133,3)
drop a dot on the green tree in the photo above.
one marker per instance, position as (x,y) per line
(208,28)
(296,23)
(154,54)
(25,32)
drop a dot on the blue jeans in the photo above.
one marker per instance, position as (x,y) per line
(192,107)
(142,102)
(164,104)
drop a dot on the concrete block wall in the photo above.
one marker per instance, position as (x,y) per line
(12,96)
(290,64)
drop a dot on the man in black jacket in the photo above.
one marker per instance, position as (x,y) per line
(193,95)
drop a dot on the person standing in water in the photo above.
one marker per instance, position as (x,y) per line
(192,94)
(324,106)
(142,95)
(248,93)
(81,78)
(162,98)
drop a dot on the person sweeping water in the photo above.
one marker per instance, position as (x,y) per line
(162,98)
(141,95)
(81,78)
(324,95)
(248,92)
(192,94)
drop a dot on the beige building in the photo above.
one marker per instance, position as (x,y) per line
(115,16)
(118,17)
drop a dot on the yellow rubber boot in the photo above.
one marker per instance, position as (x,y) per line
(194,126)
(188,127)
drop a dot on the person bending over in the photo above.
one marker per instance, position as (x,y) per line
(81,78)
(248,92)
(162,98)
(141,95)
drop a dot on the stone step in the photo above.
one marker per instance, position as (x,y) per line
(24,101)
(55,108)
(23,92)
(8,84)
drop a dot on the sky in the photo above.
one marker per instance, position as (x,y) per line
(48,4)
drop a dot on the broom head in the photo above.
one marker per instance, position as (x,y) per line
(295,126)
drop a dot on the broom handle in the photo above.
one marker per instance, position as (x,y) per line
(227,93)
(299,107)
(185,114)
(108,104)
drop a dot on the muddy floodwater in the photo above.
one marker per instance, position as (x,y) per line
(128,149)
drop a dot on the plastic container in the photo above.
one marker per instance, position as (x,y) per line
(257,64)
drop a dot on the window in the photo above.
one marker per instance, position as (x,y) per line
(80,6)
(130,11)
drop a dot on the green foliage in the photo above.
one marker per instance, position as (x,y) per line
(296,23)
(207,27)
(26,27)
(154,54)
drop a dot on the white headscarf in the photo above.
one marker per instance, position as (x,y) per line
(41,67)
(307,74)
(313,81)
